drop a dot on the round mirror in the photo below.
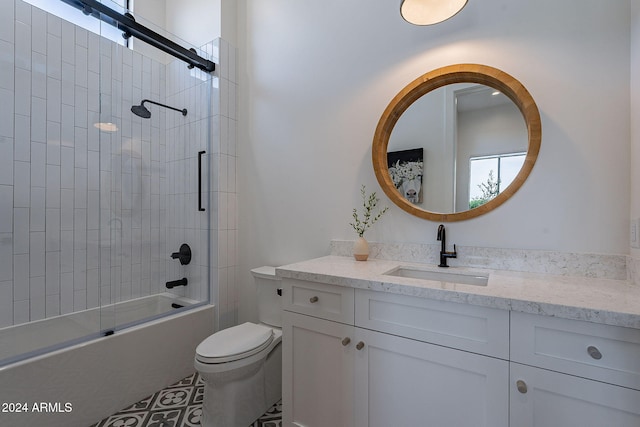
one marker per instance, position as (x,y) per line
(453,145)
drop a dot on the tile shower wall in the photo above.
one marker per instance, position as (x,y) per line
(223,188)
(48,196)
(186,88)
(186,137)
(133,249)
(95,213)
(64,246)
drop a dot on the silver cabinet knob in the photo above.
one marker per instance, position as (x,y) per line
(360,345)
(313,299)
(594,352)
(346,341)
(521,386)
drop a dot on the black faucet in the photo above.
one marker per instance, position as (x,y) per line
(443,250)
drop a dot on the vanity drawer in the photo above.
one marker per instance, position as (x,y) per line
(601,352)
(329,302)
(466,327)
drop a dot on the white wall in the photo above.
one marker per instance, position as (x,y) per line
(151,14)
(197,21)
(194,22)
(635,113)
(316,76)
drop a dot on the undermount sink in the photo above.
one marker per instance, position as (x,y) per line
(439,276)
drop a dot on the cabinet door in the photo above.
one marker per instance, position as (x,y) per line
(541,398)
(402,382)
(599,352)
(317,372)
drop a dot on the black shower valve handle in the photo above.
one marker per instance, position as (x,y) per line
(184,255)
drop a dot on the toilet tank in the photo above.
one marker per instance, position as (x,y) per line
(269,299)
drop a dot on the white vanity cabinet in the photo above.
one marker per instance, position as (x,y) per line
(404,382)
(317,356)
(317,374)
(420,364)
(403,355)
(393,360)
(573,374)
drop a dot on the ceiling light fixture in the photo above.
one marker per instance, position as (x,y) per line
(429,12)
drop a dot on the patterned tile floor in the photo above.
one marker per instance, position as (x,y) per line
(179,405)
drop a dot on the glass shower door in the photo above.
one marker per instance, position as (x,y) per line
(156,116)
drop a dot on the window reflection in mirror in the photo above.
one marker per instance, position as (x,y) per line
(490,175)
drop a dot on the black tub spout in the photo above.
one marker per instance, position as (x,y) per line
(174,283)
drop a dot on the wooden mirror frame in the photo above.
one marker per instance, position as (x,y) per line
(460,73)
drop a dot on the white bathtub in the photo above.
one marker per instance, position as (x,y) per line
(31,339)
(98,377)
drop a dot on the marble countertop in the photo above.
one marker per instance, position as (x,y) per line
(607,301)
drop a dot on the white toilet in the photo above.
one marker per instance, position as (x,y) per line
(242,365)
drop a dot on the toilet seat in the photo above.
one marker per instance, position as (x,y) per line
(235,343)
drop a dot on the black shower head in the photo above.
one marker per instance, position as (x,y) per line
(142,111)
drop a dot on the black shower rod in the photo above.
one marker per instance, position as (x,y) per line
(127,24)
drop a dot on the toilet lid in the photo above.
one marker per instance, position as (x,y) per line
(234,343)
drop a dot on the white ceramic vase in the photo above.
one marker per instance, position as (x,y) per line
(361,249)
